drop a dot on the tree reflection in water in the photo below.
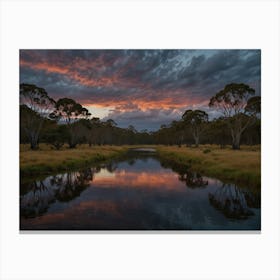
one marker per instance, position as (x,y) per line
(192,179)
(137,195)
(36,201)
(234,202)
(71,184)
(64,187)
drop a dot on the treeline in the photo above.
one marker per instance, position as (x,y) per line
(42,119)
(215,132)
(86,131)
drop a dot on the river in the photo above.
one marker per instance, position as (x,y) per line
(138,192)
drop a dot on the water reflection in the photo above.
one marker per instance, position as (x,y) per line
(71,184)
(234,202)
(61,187)
(36,201)
(191,178)
(137,192)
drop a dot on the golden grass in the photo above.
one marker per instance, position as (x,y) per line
(241,166)
(46,160)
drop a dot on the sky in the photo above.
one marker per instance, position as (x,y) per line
(143,88)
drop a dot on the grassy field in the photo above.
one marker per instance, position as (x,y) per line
(46,160)
(242,166)
(239,166)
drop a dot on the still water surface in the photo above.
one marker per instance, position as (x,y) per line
(139,192)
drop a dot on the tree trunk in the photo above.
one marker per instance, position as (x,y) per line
(33,141)
(33,146)
(196,139)
(72,144)
(236,141)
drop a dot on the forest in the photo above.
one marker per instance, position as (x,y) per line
(66,122)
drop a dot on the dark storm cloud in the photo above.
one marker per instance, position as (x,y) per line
(136,82)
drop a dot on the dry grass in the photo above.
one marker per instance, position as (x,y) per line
(47,160)
(241,166)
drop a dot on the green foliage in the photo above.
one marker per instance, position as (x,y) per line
(195,117)
(195,121)
(68,110)
(72,113)
(232,99)
(36,98)
(235,101)
(253,106)
(57,136)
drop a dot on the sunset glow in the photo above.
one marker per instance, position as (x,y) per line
(145,88)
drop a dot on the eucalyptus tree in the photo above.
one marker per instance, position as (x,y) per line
(218,132)
(35,107)
(68,111)
(238,109)
(107,131)
(57,136)
(162,135)
(93,130)
(131,134)
(177,132)
(253,106)
(196,121)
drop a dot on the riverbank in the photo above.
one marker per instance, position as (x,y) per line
(240,166)
(47,161)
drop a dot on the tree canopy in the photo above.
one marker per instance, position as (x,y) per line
(234,102)
(68,110)
(195,120)
(253,106)
(67,121)
(36,98)
(35,107)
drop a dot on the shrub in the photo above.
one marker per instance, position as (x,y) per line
(206,151)
(57,137)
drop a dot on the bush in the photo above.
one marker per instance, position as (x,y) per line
(206,151)
(57,137)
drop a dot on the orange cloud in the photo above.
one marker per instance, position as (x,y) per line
(166,102)
(44,66)
(71,74)
(82,72)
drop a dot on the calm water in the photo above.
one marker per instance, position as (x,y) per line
(139,192)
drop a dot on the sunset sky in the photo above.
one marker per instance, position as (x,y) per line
(144,88)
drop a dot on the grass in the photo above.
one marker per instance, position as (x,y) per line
(240,166)
(46,160)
